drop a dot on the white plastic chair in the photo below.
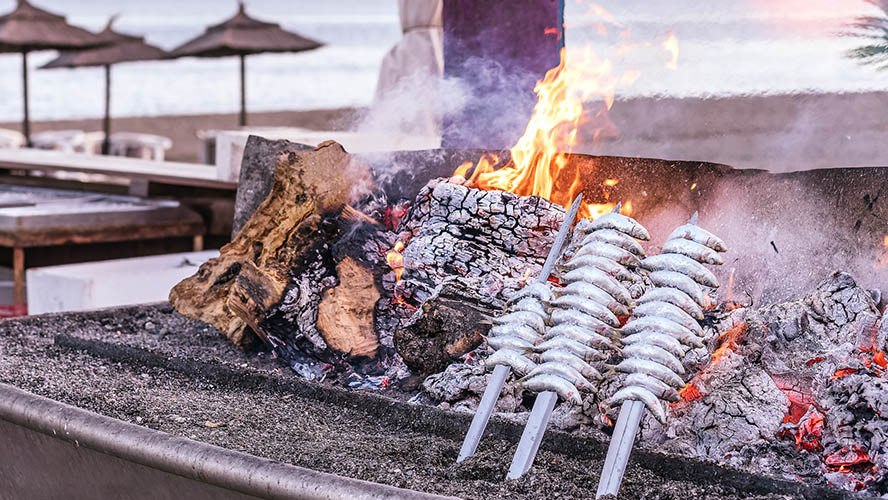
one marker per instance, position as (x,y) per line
(11,139)
(67,141)
(145,146)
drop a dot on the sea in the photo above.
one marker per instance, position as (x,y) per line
(726,47)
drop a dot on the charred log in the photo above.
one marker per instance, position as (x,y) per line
(442,330)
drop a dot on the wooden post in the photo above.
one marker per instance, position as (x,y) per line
(26,121)
(197,243)
(243,89)
(106,143)
(499,50)
(18,276)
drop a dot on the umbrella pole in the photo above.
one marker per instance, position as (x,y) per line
(26,121)
(106,142)
(243,89)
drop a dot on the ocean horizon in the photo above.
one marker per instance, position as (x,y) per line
(726,48)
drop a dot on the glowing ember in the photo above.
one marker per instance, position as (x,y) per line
(690,392)
(729,341)
(395,260)
(843,372)
(610,182)
(693,186)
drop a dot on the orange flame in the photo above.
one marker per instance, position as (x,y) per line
(395,260)
(729,341)
(671,46)
(539,164)
(689,392)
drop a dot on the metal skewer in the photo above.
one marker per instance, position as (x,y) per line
(501,372)
(620,447)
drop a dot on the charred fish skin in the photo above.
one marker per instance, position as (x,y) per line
(681,264)
(608,251)
(589,291)
(514,359)
(674,297)
(556,384)
(615,238)
(692,249)
(672,279)
(621,223)
(699,235)
(639,393)
(670,312)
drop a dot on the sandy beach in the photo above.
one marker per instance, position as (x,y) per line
(183,129)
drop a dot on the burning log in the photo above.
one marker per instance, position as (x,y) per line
(442,330)
(278,278)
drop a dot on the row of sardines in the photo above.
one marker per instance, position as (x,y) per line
(564,338)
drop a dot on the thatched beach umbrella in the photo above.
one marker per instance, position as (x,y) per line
(241,36)
(28,29)
(117,48)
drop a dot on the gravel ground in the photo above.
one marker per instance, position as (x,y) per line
(150,366)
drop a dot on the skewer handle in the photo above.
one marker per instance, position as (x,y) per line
(620,447)
(533,434)
(482,414)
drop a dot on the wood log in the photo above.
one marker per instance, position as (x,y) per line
(271,279)
(444,328)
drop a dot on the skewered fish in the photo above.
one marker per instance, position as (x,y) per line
(587,306)
(582,335)
(608,251)
(640,393)
(520,363)
(670,312)
(538,290)
(567,372)
(664,324)
(581,350)
(672,279)
(620,223)
(523,332)
(674,297)
(609,266)
(509,342)
(616,238)
(529,304)
(694,250)
(574,317)
(570,359)
(533,320)
(592,292)
(599,278)
(556,384)
(681,264)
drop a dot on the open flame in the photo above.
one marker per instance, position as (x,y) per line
(395,260)
(539,164)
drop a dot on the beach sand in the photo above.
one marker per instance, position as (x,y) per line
(183,130)
(776,132)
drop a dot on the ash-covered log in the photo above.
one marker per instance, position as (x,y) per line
(278,278)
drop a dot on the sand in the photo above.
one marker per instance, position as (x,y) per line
(774,132)
(149,366)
